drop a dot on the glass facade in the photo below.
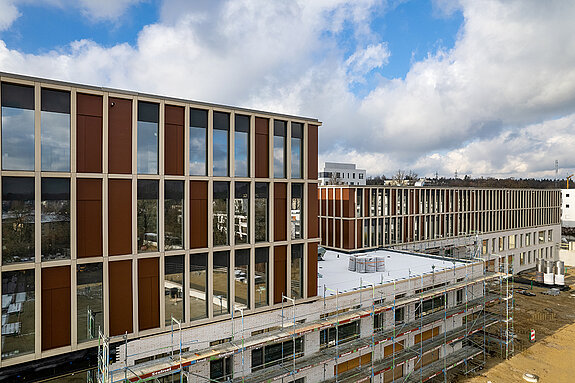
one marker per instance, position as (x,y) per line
(17,220)
(242,278)
(241,212)
(221,213)
(198,142)
(17,313)
(90,301)
(261,276)
(297,271)
(242,146)
(148,119)
(55,130)
(174,288)
(147,215)
(296,211)
(221,283)
(17,127)
(261,212)
(173,215)
(55,218)
(279,149)
(296,150)
(220,144)
(198,286)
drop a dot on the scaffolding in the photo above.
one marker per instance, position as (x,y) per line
(483,306)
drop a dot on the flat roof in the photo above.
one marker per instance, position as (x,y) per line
(334,273)
(150,95)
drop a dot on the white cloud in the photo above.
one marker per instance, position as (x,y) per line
(501,101)
(8,14)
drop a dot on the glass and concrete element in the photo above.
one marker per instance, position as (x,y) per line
(336,173)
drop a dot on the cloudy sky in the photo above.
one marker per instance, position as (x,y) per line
(481,87)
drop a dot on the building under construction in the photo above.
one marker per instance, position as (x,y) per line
(382,316)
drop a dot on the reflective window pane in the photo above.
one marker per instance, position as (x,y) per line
(220,143)
(198,286)
(148,118)
(261,277)
(174,215)
(17,220)
(89,295)
(296,150)
(174,288)
(55,130)
(279,149)
(296,206)
(17,313)
(261,212)
(17,127)
(221,213)
(296,271)
(147,215)
(55,218)
(242,278)
(241,146)
(241,212)
(198,141)
(221,279)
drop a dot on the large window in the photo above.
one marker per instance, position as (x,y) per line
(221,131)
(17,313)
(90,301)
(174,288)
(339,334)
(242,146)
(296,150)
(261,276)
(221,370)
(198,141)
(279,149)
(430,306)
(147,215)
(296,210)
(55,130)
(221,283)
(241,212)
(261,212)
(273,354)
(55,218)
(173,215)
(296,271)
(198,285)
(17,127)
(221,213)
(242,278)
(17,220)
(148,118)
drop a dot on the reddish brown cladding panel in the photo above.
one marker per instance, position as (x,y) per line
(393,201)
(338,202)
(359,233)
(89,217)
(119,217)
(330,241)
(323,231)
(280,211)
(262,147)
(323,196)
(348,203)
(280,260)
(311,269)
(55,307)
(348,233)
(313,223)
(312,152)
(411,201)
(120,281)
(337,236)
(198,214)
(416,202)
(174,140)
(366,211)
(89,133)
(119,136)
(330,202)
(148,293)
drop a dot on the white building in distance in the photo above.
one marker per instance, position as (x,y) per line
(568,207)
(344,174)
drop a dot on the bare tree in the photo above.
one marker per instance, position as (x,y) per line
(334,179)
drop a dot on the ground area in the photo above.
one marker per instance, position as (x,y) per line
(552,356)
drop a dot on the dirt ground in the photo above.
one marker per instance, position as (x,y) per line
(552,356)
